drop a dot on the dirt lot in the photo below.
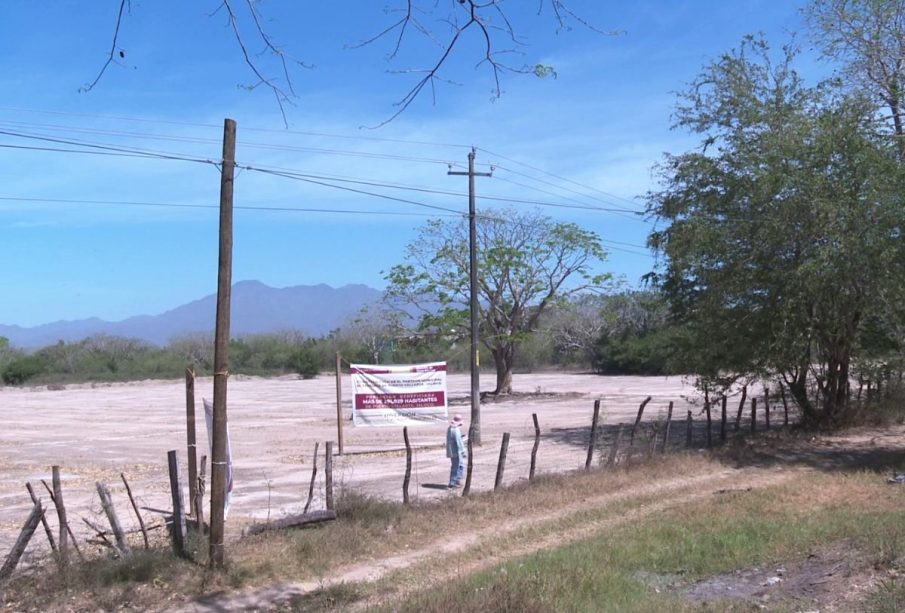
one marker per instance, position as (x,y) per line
(94,432)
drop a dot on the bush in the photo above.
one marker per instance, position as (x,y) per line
(20,370)
(306,361)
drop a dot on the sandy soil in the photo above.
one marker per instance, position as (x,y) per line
(95,432)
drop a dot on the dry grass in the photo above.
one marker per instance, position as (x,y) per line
(657,517)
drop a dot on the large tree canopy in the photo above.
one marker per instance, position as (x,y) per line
(525,262)
(783,232)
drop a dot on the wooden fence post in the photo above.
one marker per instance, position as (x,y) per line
(767,407)
(638,420)
(741,407)
(753,415)
(501,464)
(178,504)
(122,545)
(709,424)
(534,449)
(592,440)
(47,530)
(328,475)
(53,499)
(31,524)
(141,521)
(61,515)
(192,449)
(313,475)
(688,426)
(408,465)
(785,405)
(339,402)
(470,447)
(723,419)
(666,429)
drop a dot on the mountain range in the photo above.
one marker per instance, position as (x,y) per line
(256,309)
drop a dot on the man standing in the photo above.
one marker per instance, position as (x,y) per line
(455,451)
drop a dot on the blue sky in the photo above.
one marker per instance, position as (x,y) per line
(71,248)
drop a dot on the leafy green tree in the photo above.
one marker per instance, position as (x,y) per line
(526,262)
(783,232)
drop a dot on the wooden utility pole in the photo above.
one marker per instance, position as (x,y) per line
(473,300)
(221,345)
(190,437)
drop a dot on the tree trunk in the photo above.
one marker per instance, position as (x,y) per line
(503,359)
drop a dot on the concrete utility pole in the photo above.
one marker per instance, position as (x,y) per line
(475,427)
(221,345)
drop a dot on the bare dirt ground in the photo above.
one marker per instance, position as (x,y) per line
(96,431)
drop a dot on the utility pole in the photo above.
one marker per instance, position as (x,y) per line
(221,346)
(475,426)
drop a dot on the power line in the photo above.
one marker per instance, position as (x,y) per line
(244,128)
(107,147)
(566,189)
(217,206)
(556,176)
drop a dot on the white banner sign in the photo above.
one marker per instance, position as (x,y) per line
(209,421)
(398,395)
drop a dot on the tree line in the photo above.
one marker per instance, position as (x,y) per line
(611,334)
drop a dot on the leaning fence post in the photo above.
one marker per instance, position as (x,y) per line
(47,530)
(666,430)
(501,464)
(534,449)
(31,524)
(328,475)
(141,522)
(178,504)
(688,426)
(408,465)
(592,441)
(313,475)
(638,420)
(107,504)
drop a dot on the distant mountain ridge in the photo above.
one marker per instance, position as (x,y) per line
(256,309)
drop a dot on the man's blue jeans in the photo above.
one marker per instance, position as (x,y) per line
(456,470)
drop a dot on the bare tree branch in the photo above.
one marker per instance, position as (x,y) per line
(119,20)
(487,18)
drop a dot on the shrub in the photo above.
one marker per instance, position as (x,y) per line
(20,370)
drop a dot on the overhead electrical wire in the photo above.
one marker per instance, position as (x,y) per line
(217,206)
(322,180)
(556,176)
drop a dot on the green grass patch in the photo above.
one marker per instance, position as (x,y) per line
(720,534)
